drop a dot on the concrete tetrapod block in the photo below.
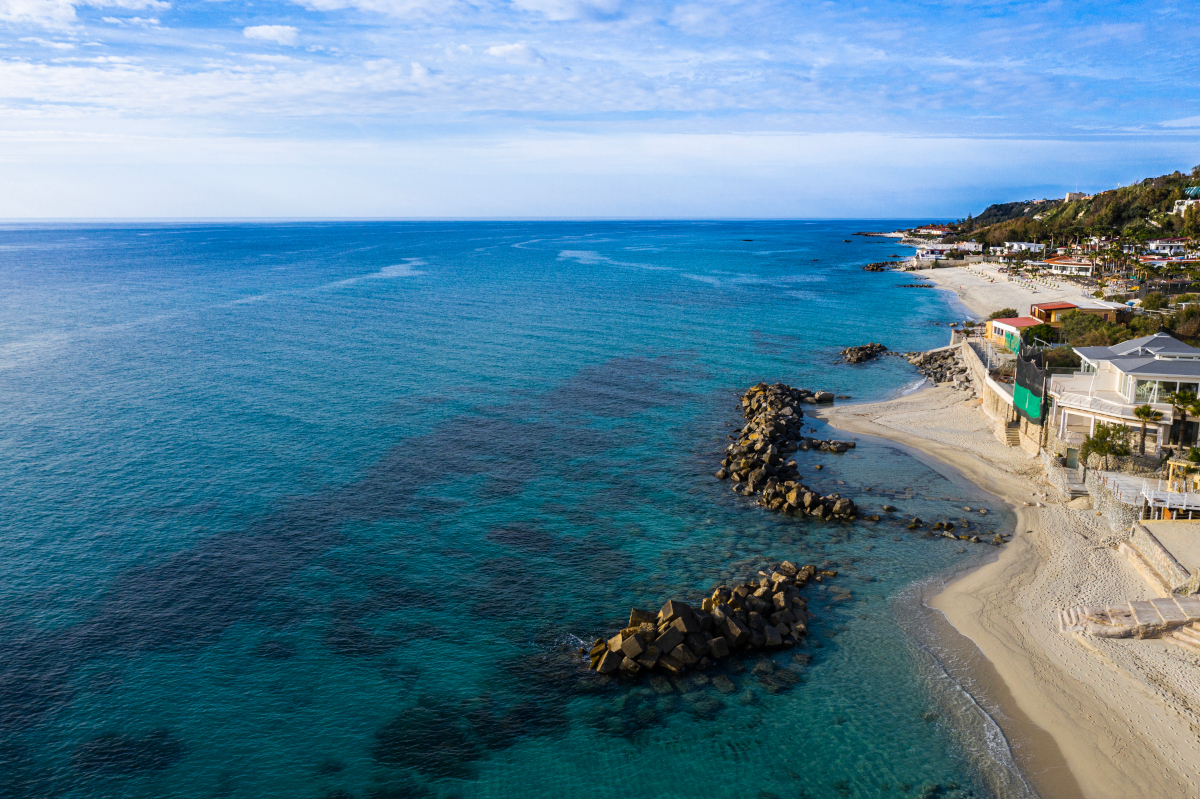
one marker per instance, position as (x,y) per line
(736,632)
(669,640)
(672,611)
(609,662)
(650,657)
(718,648)
(640,617)
(633,646)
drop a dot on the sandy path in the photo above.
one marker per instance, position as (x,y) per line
(1125,715)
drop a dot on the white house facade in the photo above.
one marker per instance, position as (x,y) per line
(1112,381)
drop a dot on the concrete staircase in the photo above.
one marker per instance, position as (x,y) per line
(1012,436)
(1147,618)
(1187,636)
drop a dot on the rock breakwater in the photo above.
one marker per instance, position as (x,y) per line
(742,619)
(755,460)
(944,366)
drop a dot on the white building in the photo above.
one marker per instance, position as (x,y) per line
(1112,381)
(1023,246)
(1076,195)
(1074,267)
(1168,246)
(1181,206)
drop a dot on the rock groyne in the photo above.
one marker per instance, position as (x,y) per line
(768,614)
(755,460)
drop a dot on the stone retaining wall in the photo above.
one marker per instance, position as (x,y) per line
(1175,576)
(1119,515)
(1056,476)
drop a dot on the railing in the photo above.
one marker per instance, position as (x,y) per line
(1124,494)
(1087,402)
(1174,500)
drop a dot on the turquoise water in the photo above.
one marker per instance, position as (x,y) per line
(325,510)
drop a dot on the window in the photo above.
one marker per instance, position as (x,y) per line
(1145,391)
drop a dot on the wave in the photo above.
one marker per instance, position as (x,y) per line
(968,711)
(593,258)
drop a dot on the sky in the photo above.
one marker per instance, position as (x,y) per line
(585,108)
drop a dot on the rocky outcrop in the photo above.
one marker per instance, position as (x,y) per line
(879,266)
(756,462)
(943,366)
(767,614)
(863,353)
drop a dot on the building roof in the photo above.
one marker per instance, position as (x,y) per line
(1054,306)
(1159,354)
(1018,321)
(1156,344)
(1101,305)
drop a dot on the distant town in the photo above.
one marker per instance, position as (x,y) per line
(1119,245)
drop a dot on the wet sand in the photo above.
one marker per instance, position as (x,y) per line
(1123,716)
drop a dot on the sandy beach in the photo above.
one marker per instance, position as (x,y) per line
(1123,716)
(982,289)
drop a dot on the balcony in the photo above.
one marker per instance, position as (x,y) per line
(1075,393)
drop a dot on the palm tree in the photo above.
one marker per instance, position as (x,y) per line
(1183,402)
(1145,413)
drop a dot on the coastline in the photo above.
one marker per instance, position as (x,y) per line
(1121,714)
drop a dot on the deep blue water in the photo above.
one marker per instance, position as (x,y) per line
(324,510)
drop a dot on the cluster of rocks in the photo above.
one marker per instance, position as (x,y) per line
(943,366)
(755,460)
(917,286)
(863,353)
(879,266)
(946,530)
(769,614)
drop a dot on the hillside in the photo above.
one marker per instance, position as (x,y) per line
(1140,211)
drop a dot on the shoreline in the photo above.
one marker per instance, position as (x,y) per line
(981,297)
(1085,697)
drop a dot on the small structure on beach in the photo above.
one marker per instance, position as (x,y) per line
(1007,332)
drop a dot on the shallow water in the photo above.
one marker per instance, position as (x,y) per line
(326,510)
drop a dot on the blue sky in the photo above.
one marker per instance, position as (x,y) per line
(593,108)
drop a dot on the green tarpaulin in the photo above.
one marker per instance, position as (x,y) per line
(1030,389)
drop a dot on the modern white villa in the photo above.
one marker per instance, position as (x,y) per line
(1112,381)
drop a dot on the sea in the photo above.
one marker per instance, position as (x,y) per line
(328,510)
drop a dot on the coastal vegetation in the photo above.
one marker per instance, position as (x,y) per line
(1138,212)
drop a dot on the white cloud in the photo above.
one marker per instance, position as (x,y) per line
(49,13)
(61,13)
(145,22)
(394,8)
(697,20)
(521,54)
(280,34)
(570,9)
(1187,122)
(45,43)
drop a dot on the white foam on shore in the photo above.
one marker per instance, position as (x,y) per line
(905,390)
